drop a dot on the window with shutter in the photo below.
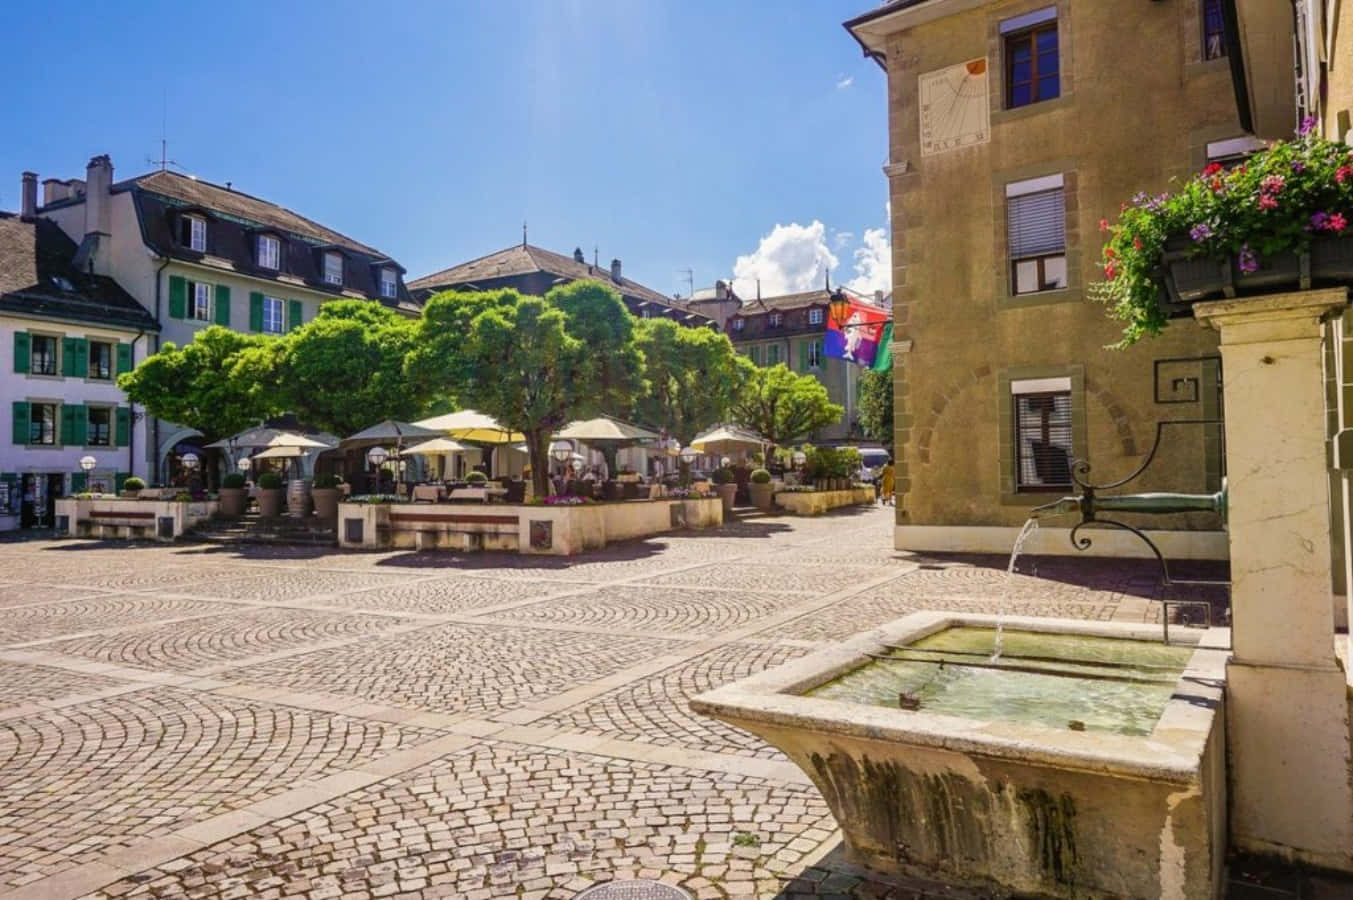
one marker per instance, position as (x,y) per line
(100,426)
(123,425)
(42,424)
(1036,232)
(69,357)
(124,358)
(1042,433)
(42,359)
(100,365)
(21,423)
(199,296)
(273,316)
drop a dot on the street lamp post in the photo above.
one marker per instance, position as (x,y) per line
(376,457)
(87,463)
(688,456)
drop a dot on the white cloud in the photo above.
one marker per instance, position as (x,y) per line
(873,263)
(792,258)
(841,238)
(844,81)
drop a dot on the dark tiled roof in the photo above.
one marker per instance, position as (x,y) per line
(785,301)
(37,278)
(526,259)
(794,312)
(235,218)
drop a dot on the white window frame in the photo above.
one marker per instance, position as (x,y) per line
(815,316)
(269,251)
(332,257)
(777,319)
(739,324)
(197,234)
(815,354)
(389,284)
(201,302)
(280,305)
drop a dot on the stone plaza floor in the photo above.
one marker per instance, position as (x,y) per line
(298,722)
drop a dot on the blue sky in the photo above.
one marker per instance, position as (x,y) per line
(672,134)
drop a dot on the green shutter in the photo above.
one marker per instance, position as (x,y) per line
(78,482)
(80,434)
(223,305)
(21,345)
(295,315)
(124,358)
(119,479)
(81,358)
(21,422)
(68,418)
(802,353)
(123,431)
(255,311)
(69,357)
(178,297)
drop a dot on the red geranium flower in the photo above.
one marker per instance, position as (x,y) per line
(1212,169)
(1103,224)
(1136,242)
(1336,222)
(1110,272)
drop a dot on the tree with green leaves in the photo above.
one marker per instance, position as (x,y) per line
(345,369)
(876,405)
(692,376)
(219,383)
(784,407)
(533,363)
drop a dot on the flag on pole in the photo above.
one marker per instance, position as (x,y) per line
(857,339)
(883,357)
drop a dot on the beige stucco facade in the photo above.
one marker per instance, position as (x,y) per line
(1137,108)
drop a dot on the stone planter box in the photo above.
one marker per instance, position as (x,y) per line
(815,503)
(728,494)
(326,502)
(118,518)
(548,530)
(763,495)
(1001,806)
(270,503)
(1189,280)
(233,502)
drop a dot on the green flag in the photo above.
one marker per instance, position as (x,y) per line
(883,357)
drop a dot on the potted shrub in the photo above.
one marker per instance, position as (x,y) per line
(324,491)
(132,488)
(233,496)
(759,486)
(1280,221)
(477,479)
(726,487)
(270,495)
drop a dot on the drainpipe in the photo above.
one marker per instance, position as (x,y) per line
(155,425)
(131,415)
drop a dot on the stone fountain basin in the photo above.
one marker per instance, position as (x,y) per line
(1007,807)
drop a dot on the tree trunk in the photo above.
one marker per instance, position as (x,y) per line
(538,450)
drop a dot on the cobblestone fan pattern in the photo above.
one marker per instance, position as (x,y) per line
(77,781)
(139,578)
(290,585)
(657,710)
(502,820)
(26,594)
(184,646)
(32,623)
(784,578)
(458,668)
(21,684)
(452,594)
(657,610)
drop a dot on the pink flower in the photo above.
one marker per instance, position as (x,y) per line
(1342,175)
(1267,201)
(1273,184)
(1336,222)
(1103,224)
(1110,272)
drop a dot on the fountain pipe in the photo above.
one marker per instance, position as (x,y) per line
(1160,503)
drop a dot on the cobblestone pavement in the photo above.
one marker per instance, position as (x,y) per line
(180,721)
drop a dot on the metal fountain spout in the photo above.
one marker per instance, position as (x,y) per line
(1089,504)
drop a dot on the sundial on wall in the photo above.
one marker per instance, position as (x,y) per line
(954,107)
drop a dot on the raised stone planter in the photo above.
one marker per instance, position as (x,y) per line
(815,503)
(548,530)
(117,518)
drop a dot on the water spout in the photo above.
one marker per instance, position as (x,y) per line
(1030,526)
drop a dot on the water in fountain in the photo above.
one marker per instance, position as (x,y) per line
(1030,526)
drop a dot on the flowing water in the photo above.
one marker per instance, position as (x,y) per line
(1030,526)
(1099,684)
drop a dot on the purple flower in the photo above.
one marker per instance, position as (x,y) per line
(1306,125)
(1319,219)
(1139,198)
(1249,263)
(1155,204)
(1298,166)
(1200,232)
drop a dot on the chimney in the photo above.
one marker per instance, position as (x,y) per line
(615,270)
(878,297)
(29,210)
(53,189)
(578,255)
(720,290)
(99,180)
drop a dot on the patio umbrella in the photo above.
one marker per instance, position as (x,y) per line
(727,439)
(282,451)
(608,435)
(253,438)
(468,425)
(387,432)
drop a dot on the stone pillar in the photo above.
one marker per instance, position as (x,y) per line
(1291,781)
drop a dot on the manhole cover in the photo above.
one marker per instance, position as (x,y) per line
(633,890)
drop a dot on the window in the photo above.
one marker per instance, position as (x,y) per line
(814,317)
(1214,38)
(776,319)
(200,295)
(193,233)
(99,432)
(1233,151)
(269,252)
(1031,58)
(100,360)
(389,283)
(1036,226)
(646,313)
(739,324)
(333,268)
(1043,443)
(815,353)
(772,354)
(42,423)
(42,358)
(273,315)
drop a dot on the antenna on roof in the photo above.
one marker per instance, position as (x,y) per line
(164,162)
(523,232)
(596,261)
(690,280)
